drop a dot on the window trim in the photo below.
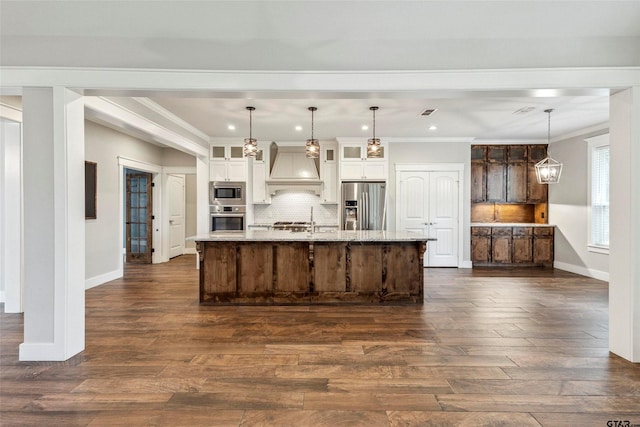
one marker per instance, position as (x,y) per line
(592,144)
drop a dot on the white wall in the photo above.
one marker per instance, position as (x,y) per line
(11,271)
(433,152)
(104,145)
(190,221)
(569,210)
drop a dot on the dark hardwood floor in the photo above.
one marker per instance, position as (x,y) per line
(488,347)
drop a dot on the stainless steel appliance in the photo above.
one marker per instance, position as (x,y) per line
(294,226)
(227,193)
(364,205)
(225,219)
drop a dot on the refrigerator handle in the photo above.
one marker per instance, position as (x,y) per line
(366,196)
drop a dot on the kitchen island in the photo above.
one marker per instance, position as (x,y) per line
(283,267)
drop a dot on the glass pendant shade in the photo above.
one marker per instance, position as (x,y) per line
(373,147)
(312,148)
(548,170)
(373,144)
(250,147)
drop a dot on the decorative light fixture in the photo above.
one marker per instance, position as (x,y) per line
(250,144)
(373,145)
(312,148)
(548,170)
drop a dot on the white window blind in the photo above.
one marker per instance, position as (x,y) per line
(599,195)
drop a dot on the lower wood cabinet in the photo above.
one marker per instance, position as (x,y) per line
(521,246)
(501,239)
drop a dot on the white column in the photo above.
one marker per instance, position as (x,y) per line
(54,258)
(202,195)
(624,254)
(11,215)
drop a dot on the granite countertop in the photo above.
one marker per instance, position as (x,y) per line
(326,236)
(509,224)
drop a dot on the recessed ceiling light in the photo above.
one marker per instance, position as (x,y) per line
(298,128)
(433,127)
(365,127)
(231,127)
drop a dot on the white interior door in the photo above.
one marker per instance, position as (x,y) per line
(443,219)
(176,215)
(413,211)
(427,203)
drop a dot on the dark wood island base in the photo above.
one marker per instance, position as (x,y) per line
(311,272)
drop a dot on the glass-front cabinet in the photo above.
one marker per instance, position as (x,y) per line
(227,162)
(356,164)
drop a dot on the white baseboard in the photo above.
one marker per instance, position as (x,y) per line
(583,271)
(2,296)
(40,352)
(92,282)
(190,251)
(466,264)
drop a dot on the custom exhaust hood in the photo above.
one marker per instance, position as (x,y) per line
(291,169)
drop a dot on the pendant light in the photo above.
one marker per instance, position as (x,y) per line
(373,145)
(312,149)
(548,170)
(250,144)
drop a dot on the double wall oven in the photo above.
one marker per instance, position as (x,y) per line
(227,206)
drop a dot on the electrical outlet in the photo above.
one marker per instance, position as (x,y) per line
(542,215)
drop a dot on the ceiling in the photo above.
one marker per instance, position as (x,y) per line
(481,117)
(345,36)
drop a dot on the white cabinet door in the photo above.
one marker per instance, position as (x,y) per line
(374,170)
(259,183)
(330,179)
(351,170)
(218,170)
(236,170)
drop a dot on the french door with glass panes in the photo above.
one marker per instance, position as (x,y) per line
(139,219)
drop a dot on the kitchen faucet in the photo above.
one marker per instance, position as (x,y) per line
(312,227)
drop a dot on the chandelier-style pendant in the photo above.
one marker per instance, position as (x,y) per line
(548,170)
(373,144)
(250,147)
(312,148)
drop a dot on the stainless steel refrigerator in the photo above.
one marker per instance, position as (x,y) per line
(364,205)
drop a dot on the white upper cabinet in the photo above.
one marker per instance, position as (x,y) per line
(356,165)
(227,162)
(329,172)
(260,173)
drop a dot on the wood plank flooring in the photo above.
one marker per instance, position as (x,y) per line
(495,347)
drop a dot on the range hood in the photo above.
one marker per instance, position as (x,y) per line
(291,169)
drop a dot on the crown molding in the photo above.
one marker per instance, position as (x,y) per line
(171,117)
(111,112)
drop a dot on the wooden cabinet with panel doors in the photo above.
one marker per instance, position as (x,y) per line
(512,245)
(506,174)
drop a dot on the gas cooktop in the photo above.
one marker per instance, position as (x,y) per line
(292,225)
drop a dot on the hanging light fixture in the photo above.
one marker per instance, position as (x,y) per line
(250,144)
(373,145)
(312,148)
(548,170)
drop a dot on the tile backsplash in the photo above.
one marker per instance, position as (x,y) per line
(295,205)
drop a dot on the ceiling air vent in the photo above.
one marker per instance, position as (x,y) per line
(428,112)
(524,110)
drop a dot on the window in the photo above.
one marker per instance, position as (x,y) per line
(599,193)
